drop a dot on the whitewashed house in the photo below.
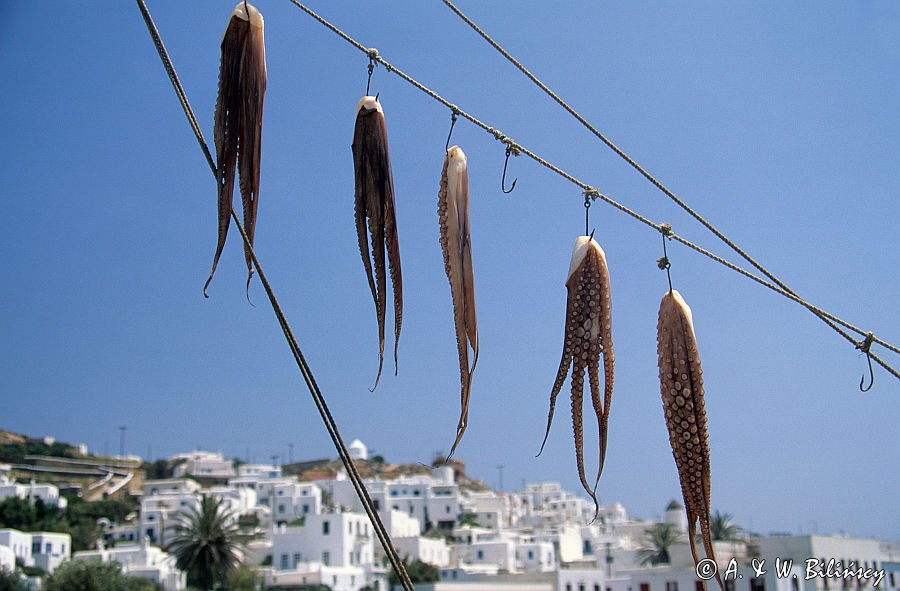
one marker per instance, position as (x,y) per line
(260,471)
(333,549)
(48,493)
(204,464)
(159,514)
(167,486)
(44,550)
(141,560)
(535,557)
(434,551)
(851,553)
(7,558)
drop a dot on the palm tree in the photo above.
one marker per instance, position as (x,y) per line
(208,544)
(658,538)
(721,527)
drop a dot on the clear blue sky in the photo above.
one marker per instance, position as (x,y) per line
(778,121)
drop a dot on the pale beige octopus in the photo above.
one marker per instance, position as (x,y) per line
(456,245)
(588,335)
(681,386)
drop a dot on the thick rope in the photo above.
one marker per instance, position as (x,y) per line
(653,180)
(775,285)
(305,371)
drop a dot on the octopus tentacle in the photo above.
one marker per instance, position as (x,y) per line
(601,413)
(563,370)
(456,247)
(577,424)
(681,387)
(392,243)
(375,217)
(238,124)
(588,335)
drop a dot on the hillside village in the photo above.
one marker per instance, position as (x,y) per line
(310,532)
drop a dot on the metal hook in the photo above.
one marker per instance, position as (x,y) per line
(864,347)
(371,69)
(663,263)
(452,123)
(503,180)
(587,208)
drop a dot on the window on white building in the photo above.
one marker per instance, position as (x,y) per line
(284,561)
(296,558)
(671,585)
(326,529)
(326,558)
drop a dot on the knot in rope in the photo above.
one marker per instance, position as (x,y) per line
(865,344)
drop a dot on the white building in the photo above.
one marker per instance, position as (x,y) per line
(432,499)
(259,471)
(434,551)
(7,559)
(159,513)
(44,550)
(143,560)
(358,450)
(205,464)
(535,557)
(847,553)
(333,549)
(48,493)
(288,499)
(170,486)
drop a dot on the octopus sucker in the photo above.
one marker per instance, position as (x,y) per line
(681,386)
(238,123)
(588,335)
(376,217)
(456,245)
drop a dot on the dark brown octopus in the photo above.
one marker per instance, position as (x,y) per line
(238,123)
(456,245)
(681,386)
(588,335)
(374,211)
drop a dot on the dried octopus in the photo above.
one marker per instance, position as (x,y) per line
(456,245)
(588,335)
(681,386)
(238,123)
(374,211)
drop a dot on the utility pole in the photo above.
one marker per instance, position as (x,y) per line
(274,460)
(122,441)
(290,453)
(500,469)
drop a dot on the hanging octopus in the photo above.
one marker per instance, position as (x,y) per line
(681,385)
(453,214)
(374,210)
(238,123)
(588,335)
